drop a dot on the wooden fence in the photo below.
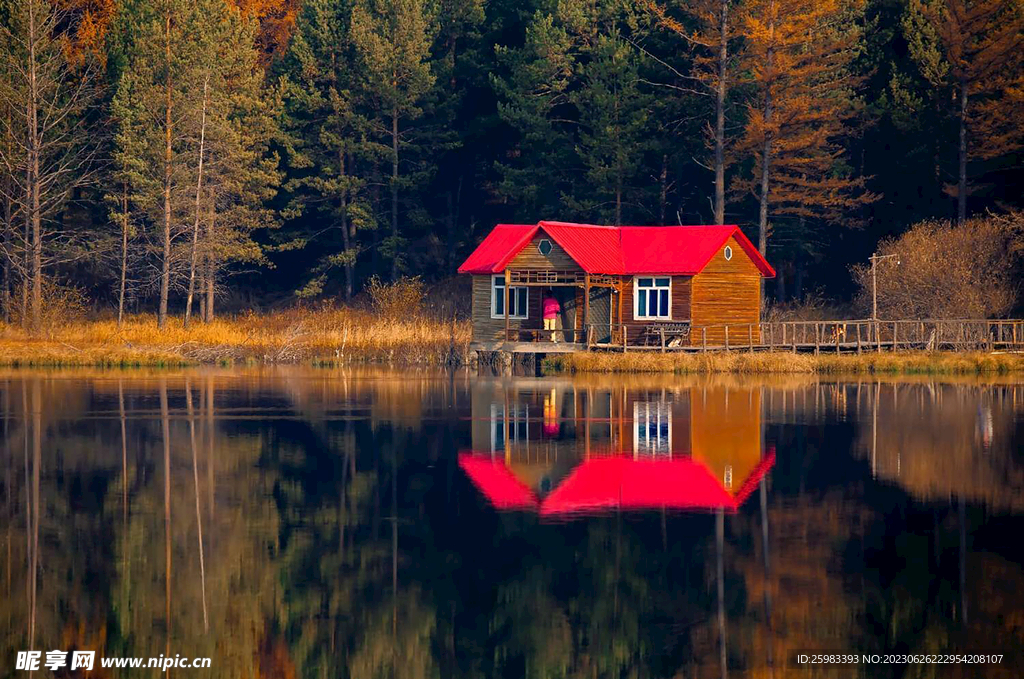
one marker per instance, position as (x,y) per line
(847,336)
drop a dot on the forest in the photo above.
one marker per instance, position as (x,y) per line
(185,157)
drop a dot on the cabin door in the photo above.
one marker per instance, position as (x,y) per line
(601,313)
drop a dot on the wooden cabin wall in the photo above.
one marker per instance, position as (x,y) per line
(680,302)
(727,291)
(487,329)
(530,257)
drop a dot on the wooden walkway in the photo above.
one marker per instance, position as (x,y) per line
(837,336)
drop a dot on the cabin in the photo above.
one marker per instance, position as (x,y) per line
(616,285)
(557,447)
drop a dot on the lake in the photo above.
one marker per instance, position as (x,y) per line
(296,522)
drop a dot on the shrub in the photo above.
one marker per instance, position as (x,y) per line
(61,305)
(948,271)
(400,300)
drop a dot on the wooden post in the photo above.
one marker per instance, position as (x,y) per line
(771,337)
(783,333)
(506,305)
(586,302)
(727,337)
(750,336)
(878,338)
(625,339)
(793,333)
(894,336)
(817,338)
(858,339)
(837,337)
(662,330)
(704,338)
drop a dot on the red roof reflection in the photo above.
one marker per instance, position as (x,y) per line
(617,482)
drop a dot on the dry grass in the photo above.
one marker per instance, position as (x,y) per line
(902,363)
(323,336)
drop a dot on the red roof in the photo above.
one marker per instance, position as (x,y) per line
(620,250)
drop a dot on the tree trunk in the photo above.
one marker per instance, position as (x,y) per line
(663,181)
(36,260)
(720,90)
(210,258)
(195,223)
(394,194)
(124,255)
(165,265)
(961,194)
(766,156)
(346,236)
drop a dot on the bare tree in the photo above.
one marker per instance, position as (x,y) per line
(48,150)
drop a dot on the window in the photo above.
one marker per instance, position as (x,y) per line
(544,246)
(652,428)
(517,306)
(727,252)
(652,298)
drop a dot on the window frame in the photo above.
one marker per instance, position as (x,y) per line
(637,316)
(727,252)
(512,291)
(540,246)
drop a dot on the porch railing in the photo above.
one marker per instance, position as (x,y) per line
(838,336)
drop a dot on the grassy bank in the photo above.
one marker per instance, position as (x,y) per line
(325,336)
(900,363)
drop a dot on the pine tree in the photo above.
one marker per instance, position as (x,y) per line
(974,48)
(194,127)
(393,40)
(613,133)
(533,98)
(713,62)
(330,150)
(575,98)
(235,174)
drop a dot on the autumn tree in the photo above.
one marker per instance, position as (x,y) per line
(797,59)
(972,49)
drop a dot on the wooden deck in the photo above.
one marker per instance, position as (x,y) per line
(839,336)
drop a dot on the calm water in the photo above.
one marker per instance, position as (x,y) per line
(301,523)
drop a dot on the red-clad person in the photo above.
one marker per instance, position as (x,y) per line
(551,308)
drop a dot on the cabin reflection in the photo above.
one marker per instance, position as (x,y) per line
(555,447)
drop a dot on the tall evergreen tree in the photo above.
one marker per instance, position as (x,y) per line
(330,149)
(393,40)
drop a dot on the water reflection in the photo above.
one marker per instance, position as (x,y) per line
(294,523)
(559,449)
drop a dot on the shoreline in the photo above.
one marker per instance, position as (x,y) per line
(766,363)
(318,337)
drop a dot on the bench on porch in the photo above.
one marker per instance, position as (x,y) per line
(673,334)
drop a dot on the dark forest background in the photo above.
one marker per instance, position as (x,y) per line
(162,154)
